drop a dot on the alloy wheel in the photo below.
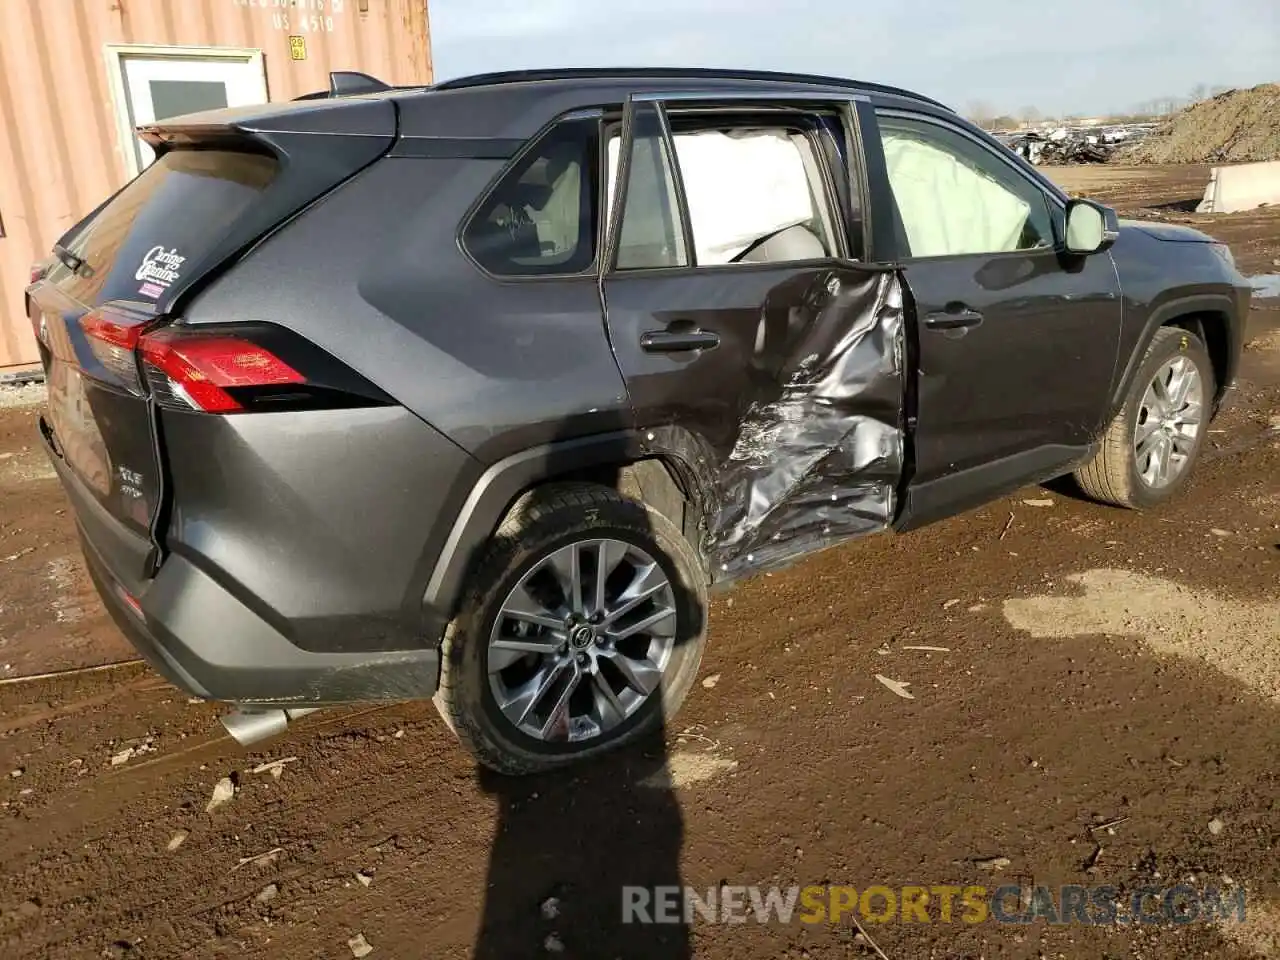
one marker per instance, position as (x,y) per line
(582,641)
(1169,421)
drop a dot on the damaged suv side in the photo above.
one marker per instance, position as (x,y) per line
(482,415)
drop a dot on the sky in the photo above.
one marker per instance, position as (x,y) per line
(1069,56)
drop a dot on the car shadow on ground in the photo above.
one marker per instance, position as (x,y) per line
(1066,486)
(566,847)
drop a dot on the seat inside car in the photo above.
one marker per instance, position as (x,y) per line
(797,242)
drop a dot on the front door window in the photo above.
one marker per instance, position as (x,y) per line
(956,199)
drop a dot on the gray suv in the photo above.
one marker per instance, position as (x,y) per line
(473,391)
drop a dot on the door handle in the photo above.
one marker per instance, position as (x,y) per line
(673,341)
(955,319)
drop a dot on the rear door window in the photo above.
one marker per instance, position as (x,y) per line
(154,230)
(756,189)
(651,235)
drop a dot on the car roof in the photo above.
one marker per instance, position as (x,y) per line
(516,104)
(750,79)
(513,105)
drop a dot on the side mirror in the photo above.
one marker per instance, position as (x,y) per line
(1091,227)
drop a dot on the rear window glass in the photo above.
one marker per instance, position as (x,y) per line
(156,229)
(540,218)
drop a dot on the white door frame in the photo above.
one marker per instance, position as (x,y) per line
(116,54)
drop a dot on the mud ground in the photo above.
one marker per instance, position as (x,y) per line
(1103,709)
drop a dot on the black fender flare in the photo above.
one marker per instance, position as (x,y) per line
(1161,315)
(502,483)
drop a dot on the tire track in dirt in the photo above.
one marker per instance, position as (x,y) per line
(47,714)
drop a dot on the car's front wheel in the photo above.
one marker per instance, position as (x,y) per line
(582,630)
(1148,451)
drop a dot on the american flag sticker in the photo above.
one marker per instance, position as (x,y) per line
(151,290)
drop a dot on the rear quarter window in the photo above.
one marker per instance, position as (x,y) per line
(164,220)
(539,219)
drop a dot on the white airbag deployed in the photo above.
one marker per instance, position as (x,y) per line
(947,206)
(740,187)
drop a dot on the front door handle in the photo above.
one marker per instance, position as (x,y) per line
(953,319)
(673,341)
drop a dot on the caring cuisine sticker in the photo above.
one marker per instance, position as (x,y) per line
(159,268)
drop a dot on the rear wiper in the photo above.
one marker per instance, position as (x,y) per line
(68,259)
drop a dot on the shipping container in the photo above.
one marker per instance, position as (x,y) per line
(76,77)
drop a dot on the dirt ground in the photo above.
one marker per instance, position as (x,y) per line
(1099,704)
(1237,126)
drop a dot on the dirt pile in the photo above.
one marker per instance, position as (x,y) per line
(1236,126)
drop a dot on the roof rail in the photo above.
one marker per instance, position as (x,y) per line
(693,73)
(347,83)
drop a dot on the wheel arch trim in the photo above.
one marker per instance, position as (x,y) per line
(505,481)
(1161,316)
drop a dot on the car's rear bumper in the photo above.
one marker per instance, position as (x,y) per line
(202,638)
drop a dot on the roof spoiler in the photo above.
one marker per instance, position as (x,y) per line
(347,83)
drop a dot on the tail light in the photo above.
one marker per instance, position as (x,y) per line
(113,336)
(220,370)
(196,372)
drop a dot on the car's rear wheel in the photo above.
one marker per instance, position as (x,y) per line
(1148,451)
(583,629)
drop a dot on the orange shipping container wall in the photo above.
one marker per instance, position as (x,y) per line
(75,75)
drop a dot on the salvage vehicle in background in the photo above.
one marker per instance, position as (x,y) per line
(472,391)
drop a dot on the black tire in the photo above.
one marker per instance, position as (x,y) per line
(1112,476)
(541,522)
